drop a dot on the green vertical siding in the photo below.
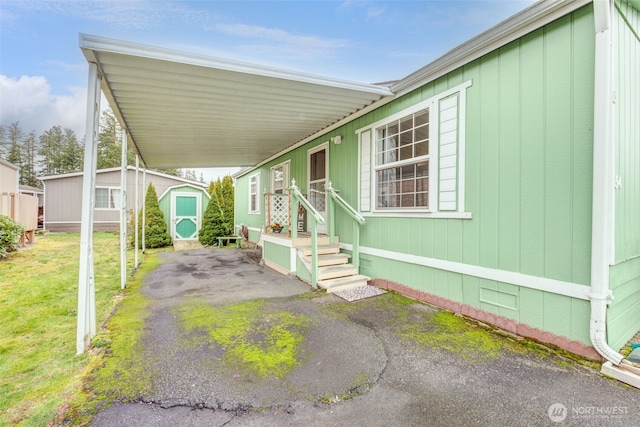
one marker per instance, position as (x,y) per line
(624,314)
(529,121)
(528,182)
(277,254)
(627,133)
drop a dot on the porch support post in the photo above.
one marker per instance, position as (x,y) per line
(314,253)
(331,212)
(355,253)
(294,206)
(86,325)
(136,207)
(123,211)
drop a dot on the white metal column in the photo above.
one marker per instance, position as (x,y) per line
(123,211)
(144,210)
(136,206)
(86,278)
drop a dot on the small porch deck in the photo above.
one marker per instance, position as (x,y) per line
(293,256)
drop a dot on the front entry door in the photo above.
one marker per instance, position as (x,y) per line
(318,176)
(186,217)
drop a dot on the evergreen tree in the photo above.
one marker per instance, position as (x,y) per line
(15,136)
(155,228)
(227,200)
(60,152)
(110,143)
(28,170)
(14,156)
(218,217)
(73,152)
(213,223)
(3,142)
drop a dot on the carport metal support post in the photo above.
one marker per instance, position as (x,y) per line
(123,211)
(136,206)
(144,209)
(86,279)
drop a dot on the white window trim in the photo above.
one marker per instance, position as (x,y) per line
(110,188)
(285,169)
(434,123)
(257,194)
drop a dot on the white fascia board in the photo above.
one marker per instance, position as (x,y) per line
(524,22)
(90,44)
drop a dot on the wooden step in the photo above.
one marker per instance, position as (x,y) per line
(342,283)
(333,271)
(329,259)
(305,240)
(322,249)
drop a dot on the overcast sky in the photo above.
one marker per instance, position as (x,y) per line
(43,74)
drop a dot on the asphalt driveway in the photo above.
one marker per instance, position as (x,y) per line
(230,342)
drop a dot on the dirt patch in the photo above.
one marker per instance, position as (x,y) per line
(253,254)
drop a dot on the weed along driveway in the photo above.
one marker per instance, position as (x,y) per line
(226,341)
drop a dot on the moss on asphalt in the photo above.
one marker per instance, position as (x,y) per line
(427,327)
(255,341)
(117,370)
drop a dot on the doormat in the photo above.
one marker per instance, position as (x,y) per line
(360,292)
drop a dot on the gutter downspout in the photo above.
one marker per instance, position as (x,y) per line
(603,198)
(603,159)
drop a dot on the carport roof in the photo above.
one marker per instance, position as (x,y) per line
(188,110)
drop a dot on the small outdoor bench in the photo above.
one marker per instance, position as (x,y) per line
(222,241)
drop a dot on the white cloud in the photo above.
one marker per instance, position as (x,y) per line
(29,100)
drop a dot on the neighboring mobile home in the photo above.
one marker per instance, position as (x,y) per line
(484,183)
(63,198)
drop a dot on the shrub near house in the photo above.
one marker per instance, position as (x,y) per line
(10,232)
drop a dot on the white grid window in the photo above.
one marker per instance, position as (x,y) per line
(254,195)
(108,198)
(402,162)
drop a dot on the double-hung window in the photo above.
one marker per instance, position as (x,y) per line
(402,162)
(412,162)
(254,195)
(108,198)
(279,178)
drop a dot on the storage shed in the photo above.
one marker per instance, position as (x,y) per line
(183,207)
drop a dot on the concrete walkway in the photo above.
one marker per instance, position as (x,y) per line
(383,361)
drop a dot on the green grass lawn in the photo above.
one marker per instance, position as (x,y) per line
(39,369)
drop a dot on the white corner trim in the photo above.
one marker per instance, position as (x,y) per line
(569,289)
